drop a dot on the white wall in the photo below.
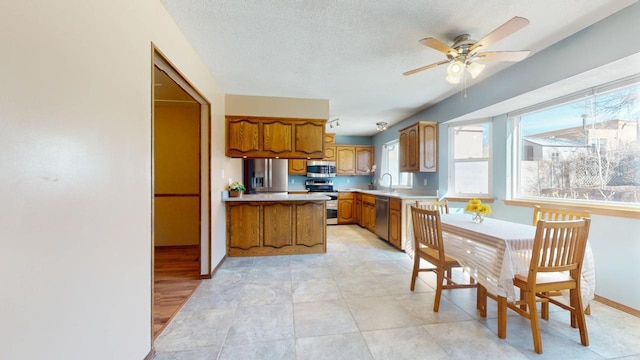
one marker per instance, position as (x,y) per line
(247,105)
(75,174)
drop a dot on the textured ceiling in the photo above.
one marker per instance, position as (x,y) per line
(354,52)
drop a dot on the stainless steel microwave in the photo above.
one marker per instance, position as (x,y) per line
(321,168)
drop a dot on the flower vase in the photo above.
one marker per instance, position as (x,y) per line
(478,218)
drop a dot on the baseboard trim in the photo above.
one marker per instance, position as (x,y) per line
(151,354)
(616,305)
(213,272)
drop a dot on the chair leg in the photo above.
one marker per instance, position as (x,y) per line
(535,325)
(449,274)
(578,314)
(522,298)
(545,308)
(416,265)
(440,280)
(587,311)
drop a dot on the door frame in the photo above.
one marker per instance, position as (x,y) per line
(160,61)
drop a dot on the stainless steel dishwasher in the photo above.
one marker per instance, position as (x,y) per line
(382,217)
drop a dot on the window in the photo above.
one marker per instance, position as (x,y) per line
(470,165)
(584,147)
(391,164)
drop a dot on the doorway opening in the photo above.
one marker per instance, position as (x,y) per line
(181,197)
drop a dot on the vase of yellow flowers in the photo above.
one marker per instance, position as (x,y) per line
(478,209)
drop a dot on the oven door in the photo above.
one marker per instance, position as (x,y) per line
(332,212)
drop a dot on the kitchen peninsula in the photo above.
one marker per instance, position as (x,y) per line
(269,224)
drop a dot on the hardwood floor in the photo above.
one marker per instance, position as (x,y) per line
(176,277)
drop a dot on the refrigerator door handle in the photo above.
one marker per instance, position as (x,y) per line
(269,167)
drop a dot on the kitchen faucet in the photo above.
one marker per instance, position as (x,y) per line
(390,181)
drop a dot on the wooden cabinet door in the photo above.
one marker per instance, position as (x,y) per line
(277,137)
(243,136)
(329,153)
(329,138)
(419,147)
(364,160)
(429,144)
(277,225)
(358,210)
(346,160)
(297,167)
(395,229)
(243,226)
(310,231)
(309,139)
(345,211)
(371,217)
(409,154)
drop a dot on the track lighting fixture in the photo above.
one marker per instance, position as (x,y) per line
(334,123)
(382,126)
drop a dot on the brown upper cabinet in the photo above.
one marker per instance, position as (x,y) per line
(259,137)
(354,159)
(419,147)
(364,160)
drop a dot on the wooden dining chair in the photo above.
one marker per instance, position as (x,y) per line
(442,205)
(556,264)
(428,245)
(557,214)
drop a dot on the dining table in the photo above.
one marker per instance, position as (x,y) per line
(494,251)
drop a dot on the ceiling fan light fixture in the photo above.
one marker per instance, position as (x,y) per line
(455,68)
(454,78)
(475,69)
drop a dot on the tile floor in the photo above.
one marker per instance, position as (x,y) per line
(354,303)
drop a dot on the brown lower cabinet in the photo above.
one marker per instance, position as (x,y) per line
(346,208)
(369,212)
(256,228)
(395,222)
(358,209)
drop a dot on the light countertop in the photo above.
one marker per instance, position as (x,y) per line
(277,197)
(401,194)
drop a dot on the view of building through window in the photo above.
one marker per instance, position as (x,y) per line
(470,167)
(586,149)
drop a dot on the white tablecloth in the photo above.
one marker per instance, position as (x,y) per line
(494,251)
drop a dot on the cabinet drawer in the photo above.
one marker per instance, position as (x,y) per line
(346,195)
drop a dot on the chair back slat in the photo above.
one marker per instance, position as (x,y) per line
(442,206)
(427,228)
(555,214)
(559,245)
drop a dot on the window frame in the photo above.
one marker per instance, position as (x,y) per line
(384,167)
(514,170)
(451,162)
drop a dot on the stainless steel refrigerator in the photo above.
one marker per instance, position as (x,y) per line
(266,175)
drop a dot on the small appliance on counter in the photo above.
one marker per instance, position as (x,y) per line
(325,187)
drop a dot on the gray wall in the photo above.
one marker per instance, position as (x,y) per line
(615,241)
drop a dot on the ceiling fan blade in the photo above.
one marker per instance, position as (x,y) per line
(502,55)
(438,45)
(504,30)
(411,72)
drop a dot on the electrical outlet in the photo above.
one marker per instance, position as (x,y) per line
(293,181)
(222,174)
(230,181)
(348,181)
(424,182)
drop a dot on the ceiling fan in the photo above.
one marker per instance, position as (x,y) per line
(466,54)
